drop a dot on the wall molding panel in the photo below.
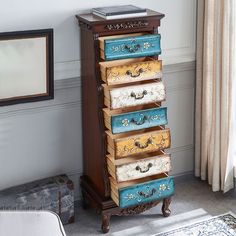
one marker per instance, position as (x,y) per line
(52,130)
(181,148)
(183,46)
(71,69)
(179,67)
(65,70)
(73,82)
(64,99)
(74,100)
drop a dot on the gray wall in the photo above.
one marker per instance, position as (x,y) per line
(42,139)
(177,28)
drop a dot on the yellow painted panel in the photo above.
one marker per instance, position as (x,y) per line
(147,142)
(134,72)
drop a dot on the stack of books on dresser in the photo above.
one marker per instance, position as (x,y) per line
(118,12)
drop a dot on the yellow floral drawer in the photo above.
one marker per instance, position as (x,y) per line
(122,145)
(130,70)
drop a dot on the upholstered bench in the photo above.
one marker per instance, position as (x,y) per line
(28,223)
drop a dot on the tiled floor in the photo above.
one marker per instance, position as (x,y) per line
(192,202)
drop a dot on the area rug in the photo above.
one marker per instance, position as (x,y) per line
(223,225)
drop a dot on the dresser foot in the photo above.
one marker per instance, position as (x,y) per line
(165,207)
(106,222)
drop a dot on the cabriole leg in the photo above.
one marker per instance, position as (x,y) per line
(165,207)
(106,222)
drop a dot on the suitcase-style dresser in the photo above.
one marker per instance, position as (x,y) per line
(124,125)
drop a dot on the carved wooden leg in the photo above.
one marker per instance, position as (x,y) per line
(165,207)
(106,222)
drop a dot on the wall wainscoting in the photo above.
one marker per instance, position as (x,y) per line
(43,139)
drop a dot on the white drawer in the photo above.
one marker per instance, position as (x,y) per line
(134,95)
(131,168)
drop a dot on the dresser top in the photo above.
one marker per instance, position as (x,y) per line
(93,19)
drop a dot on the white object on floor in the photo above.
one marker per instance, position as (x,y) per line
(28,223)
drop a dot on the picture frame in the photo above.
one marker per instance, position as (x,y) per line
(26,66)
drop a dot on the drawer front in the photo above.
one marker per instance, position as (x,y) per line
(146,192)
(134,72)
(139,120)
(137,95)
(130,47)
(143,168)
(144,143)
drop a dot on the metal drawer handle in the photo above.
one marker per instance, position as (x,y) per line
(139,95)
(133,48)
(138,168)
(147,195)
(140,121)
(140,71)
(139,145)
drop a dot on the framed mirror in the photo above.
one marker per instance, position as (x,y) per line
(26,66)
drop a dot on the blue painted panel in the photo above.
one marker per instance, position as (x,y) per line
(139,120)
(146,192)
(130,47)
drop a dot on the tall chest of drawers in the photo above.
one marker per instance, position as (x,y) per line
(125,130)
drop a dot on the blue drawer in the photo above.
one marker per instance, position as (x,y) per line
(130,47)
(136,120)
(144,192)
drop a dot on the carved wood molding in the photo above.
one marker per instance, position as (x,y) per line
(136,209)
(127,25)
(84,25)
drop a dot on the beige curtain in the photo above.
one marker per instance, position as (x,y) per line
(214,81)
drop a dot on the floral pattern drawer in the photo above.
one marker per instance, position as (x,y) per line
(120,146)
(123,46)
(125,195)
(131,70)
(134,95)
(136,120)
(131,168)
